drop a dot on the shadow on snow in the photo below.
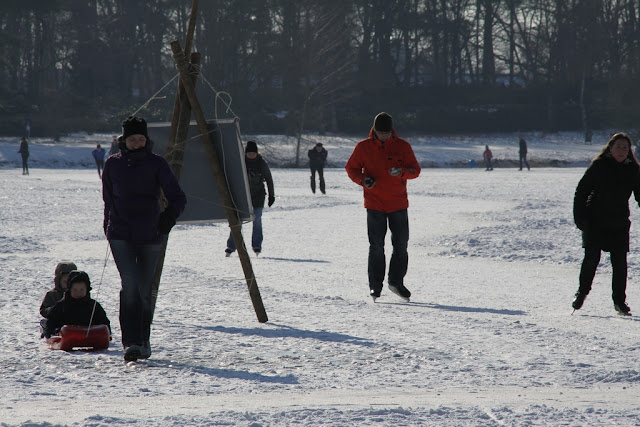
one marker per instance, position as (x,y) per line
(284,331)
(456,308)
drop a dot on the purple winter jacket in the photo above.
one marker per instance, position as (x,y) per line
(131,183)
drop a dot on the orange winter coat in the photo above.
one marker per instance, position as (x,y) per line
(373,158)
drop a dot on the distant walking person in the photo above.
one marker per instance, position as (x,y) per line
(258,173)
(317,158)
(382,164)
(523,153)
(487,155)
(98,155)
(601,212)
(114,149)
(24,151)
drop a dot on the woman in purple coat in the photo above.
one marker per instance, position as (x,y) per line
(132,182)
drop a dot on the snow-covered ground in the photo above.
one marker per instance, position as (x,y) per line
(487,339)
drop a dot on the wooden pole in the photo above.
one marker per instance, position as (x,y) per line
(179,93)
(221,182)
(175,157)
(177,139)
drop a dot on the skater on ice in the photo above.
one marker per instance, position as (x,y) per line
(382,164)
(487,155)
(114,149)
(136,228)
(317,159)
(523,153)
(258,173)
(98,156)
(24,152)
(601,212)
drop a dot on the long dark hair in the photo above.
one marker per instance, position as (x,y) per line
(606,150)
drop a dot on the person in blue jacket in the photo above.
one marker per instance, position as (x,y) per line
(98,155)
(136,227)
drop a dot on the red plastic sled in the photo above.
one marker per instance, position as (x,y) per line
(72,336)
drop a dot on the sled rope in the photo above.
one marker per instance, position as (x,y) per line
(95,300)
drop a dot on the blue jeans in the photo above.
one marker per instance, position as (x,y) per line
(377,229)
(256,236)
(137,265)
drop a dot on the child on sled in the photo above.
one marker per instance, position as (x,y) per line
(77,307)
(54,295)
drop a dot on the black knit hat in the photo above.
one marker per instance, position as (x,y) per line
(252,147)
(134,126)
(78,276)
(383,122)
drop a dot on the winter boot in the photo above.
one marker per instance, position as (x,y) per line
(375,294)
(132,353)
(145,350)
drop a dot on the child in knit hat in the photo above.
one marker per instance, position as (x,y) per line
(59,286)
(77,307)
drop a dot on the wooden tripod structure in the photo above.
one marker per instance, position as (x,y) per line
(186,102)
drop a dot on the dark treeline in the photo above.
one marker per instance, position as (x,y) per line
(330,65)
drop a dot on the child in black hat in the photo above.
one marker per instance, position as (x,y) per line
(77,307)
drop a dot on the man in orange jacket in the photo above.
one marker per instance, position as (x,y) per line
(382,164)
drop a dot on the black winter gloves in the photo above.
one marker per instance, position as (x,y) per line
(167,220)
(369,181)
(271,200)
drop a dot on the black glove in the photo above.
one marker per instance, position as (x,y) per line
(271,200)
(166,221)
(369,181)
(104,226)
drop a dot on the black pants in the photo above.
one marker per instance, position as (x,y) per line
(377,229)
(25,165)
(619,279)
(523,159)
(100,166)
(320,177)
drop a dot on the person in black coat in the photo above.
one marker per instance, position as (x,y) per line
(317,158)
(77,307)
(24,152)
(601,212)
(523,153)
(258,173)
